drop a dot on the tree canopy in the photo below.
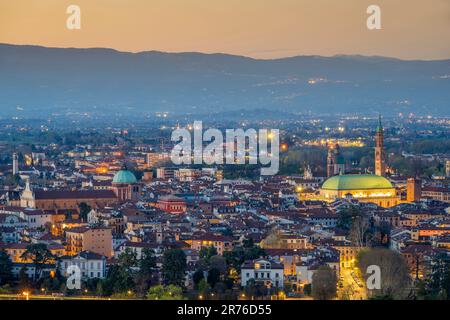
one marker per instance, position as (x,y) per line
(174,267)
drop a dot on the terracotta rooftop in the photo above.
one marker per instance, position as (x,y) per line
(63,194)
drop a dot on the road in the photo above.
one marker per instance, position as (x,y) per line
(350,288)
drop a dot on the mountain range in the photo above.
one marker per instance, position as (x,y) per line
(39,81)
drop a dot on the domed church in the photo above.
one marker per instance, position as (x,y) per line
(373,188)
(363,187)
(125,185)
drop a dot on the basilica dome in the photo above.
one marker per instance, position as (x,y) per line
(124,177)
(356,182)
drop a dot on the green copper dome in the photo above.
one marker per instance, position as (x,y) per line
(124,176)
(356,182)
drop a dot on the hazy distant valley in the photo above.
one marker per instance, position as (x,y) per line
(36,82)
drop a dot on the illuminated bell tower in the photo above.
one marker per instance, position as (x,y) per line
(335,161)
(331,161)
(380,167)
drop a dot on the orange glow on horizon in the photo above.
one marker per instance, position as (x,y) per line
(255,28)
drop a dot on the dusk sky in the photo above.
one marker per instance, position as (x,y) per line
(413,29)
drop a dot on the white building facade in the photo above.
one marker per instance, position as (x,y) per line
(268,272)
(91,265)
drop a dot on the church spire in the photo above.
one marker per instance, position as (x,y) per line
(27,185)
(380,126)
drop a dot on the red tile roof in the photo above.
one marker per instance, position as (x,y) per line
(63,194)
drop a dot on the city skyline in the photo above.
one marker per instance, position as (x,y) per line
(117,219)
(233,152)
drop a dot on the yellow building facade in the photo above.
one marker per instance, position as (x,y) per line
(362,187)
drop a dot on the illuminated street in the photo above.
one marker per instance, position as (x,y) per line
(350,288)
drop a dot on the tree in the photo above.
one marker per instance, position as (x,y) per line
(250,288)
(204,288)
(147,265)
(439,283)
(236,257)
(220,289)
(347,216)
(219,263)
(50,283)
(248,243)
(120,276)
(40,256)
(307,289)
(84,209)
(207,252)
(382,234)
(197,277)
(106,286)
(324,284)
(359,234)
(160,292)
(213,277)
(5,289)
(92,284)
(394,278)
(126,271)
(5,267)
(24,282)
(174,266)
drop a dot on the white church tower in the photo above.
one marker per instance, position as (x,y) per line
(27,197)
(15,168)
